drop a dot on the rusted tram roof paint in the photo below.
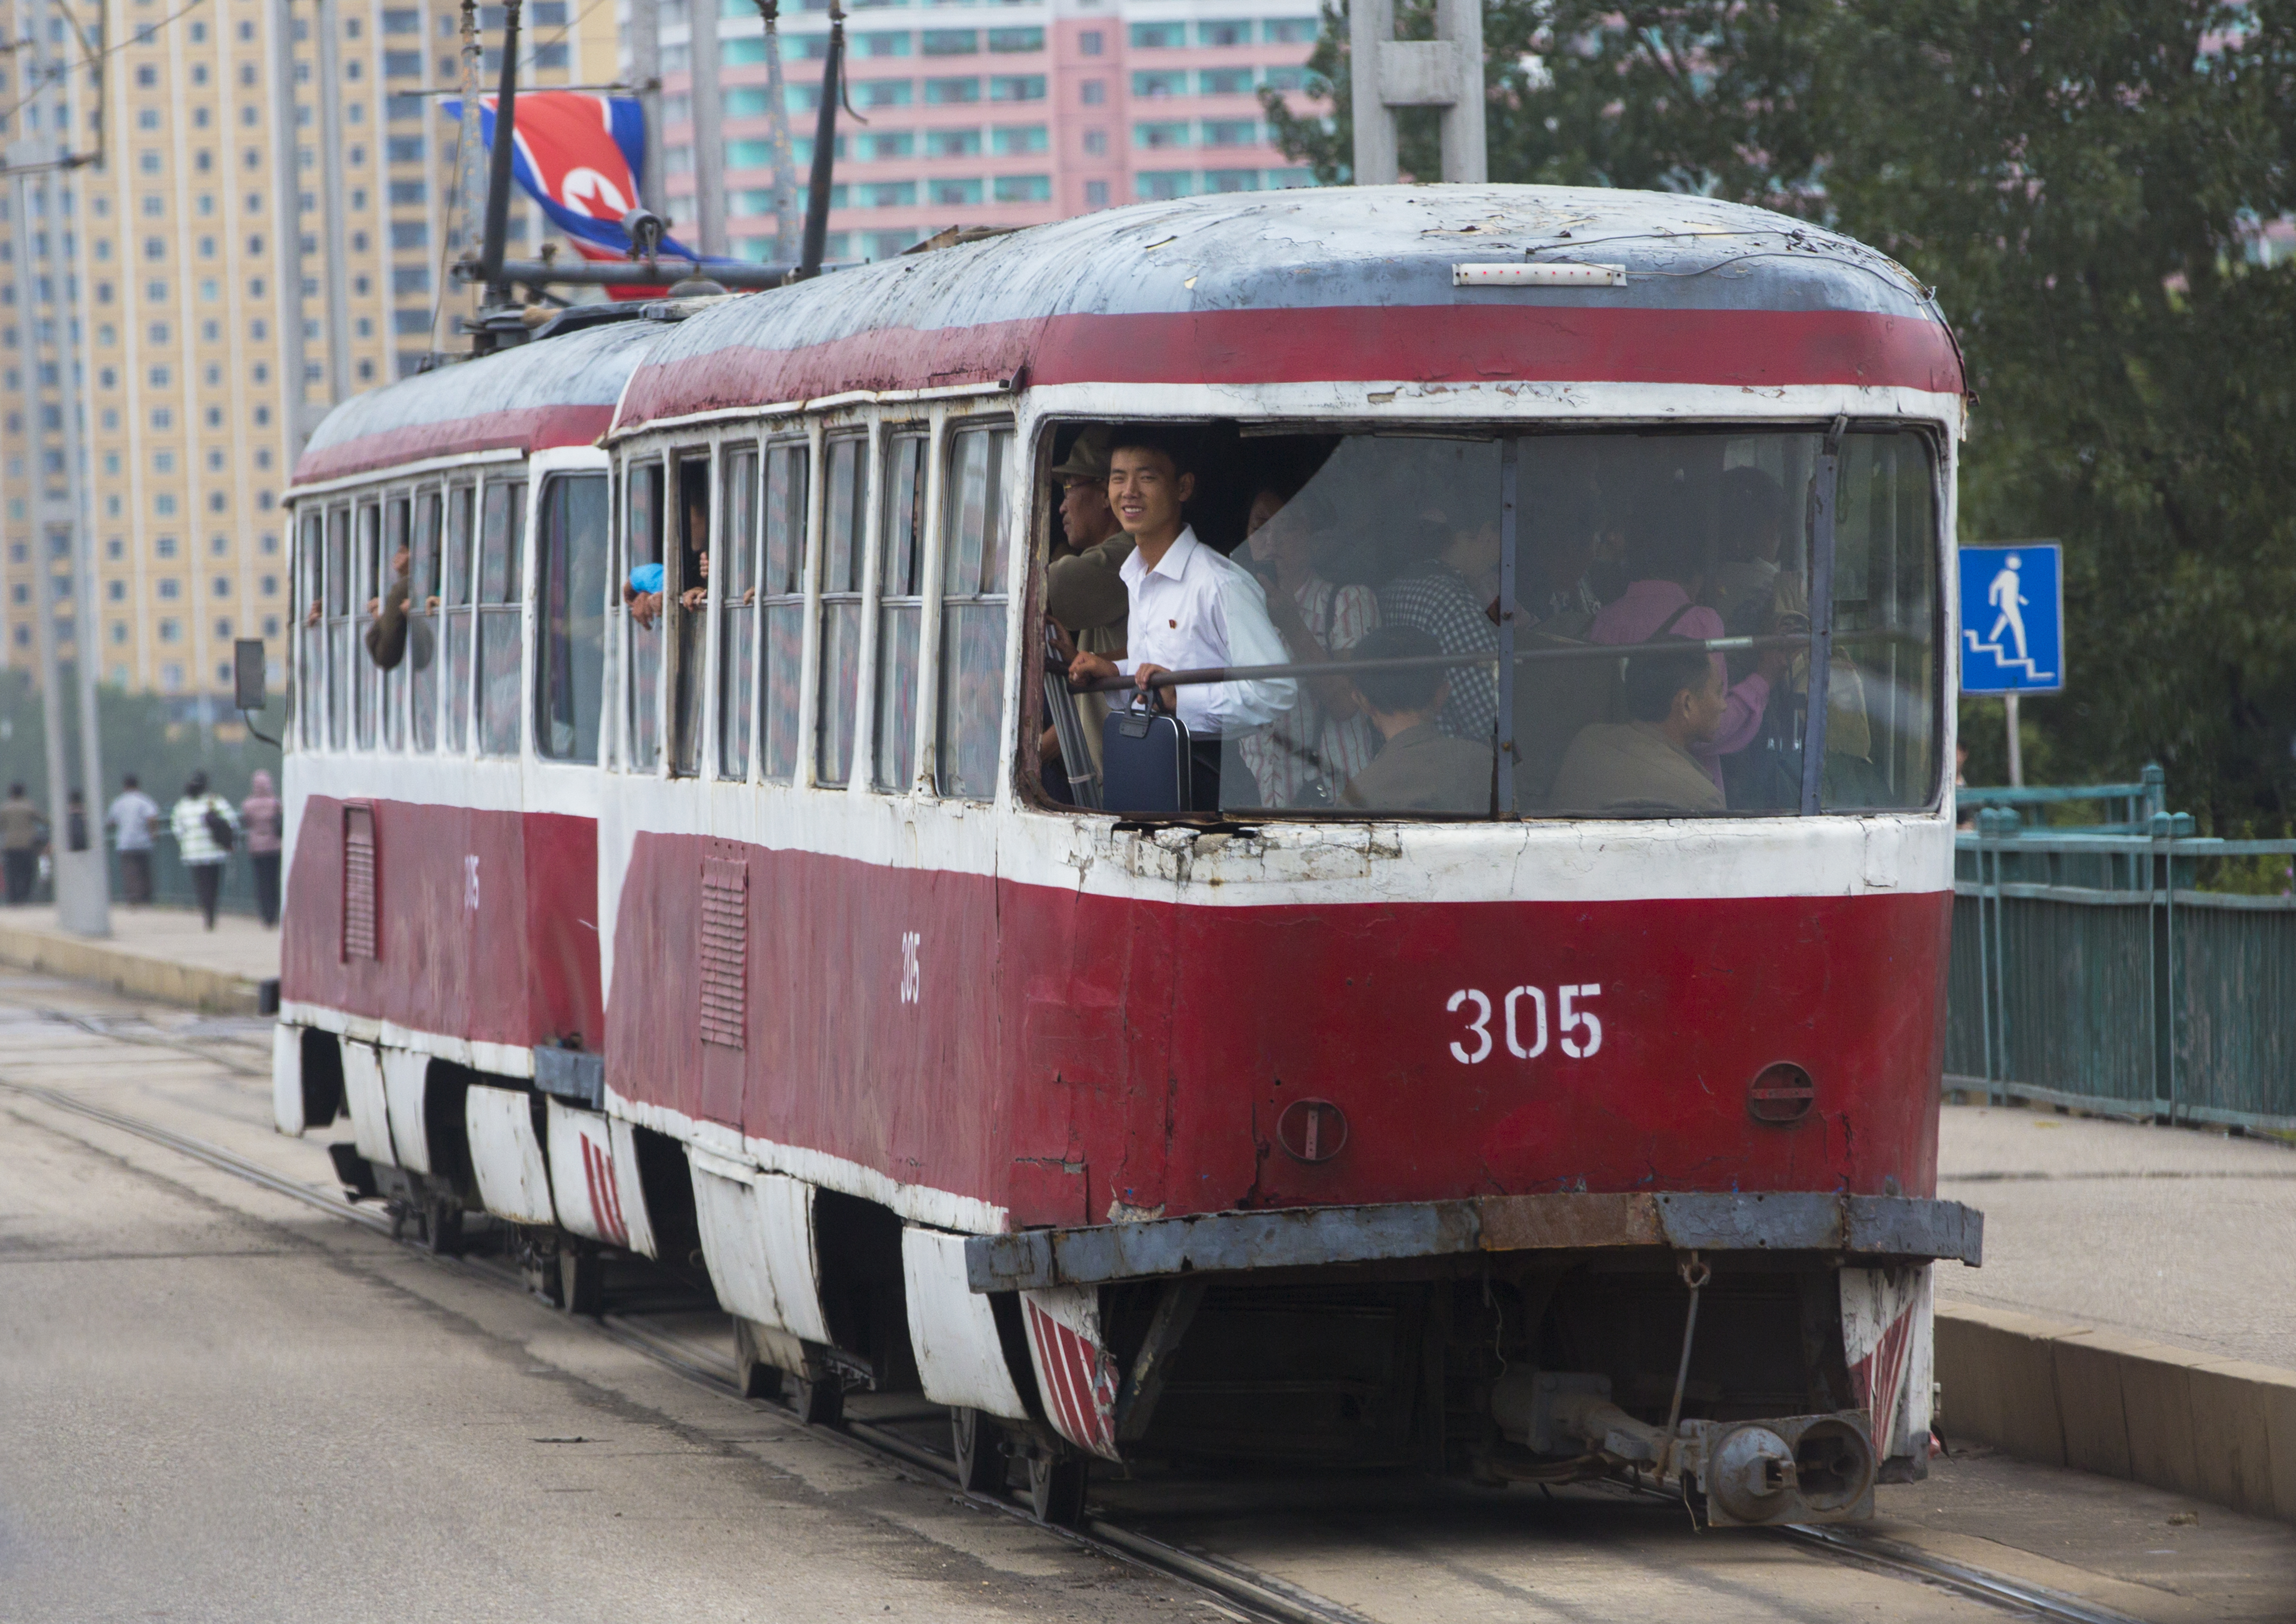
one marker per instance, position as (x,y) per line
(559,392)
(1328,285)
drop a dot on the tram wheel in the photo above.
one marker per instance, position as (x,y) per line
(1056,1489)
(752,1374)
(819,1400)
(980,1452)
(442,1225)
(581,1281)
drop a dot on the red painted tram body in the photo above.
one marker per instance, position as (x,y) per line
(1286,1133)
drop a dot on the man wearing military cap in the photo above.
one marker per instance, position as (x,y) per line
(1084,592)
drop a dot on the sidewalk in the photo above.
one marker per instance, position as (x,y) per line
(2172,1234)
(156,953)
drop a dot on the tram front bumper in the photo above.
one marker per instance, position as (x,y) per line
(1872,1229)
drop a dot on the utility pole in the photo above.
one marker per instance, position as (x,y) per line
(329,96)
(287,178)
(1447,71)
(784,163)
(471,144)
(85,905)
(707,96)
(645,72)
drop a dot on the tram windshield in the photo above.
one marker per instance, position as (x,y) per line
(1333,633)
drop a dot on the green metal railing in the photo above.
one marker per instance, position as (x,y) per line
(2090,968)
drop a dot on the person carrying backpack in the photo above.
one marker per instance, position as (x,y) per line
(206,830)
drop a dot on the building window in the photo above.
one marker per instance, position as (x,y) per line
(1231,131)
(1289,31)
(952,42)
(1088,43)
(1094,92)
(1226,31)
(952,144)
(1095,194)
(1096,142)
(1016,39)
(164,504)
(1015,140)
(946,93)
(1224,82)
(1159,36)
(1017,87)
(952,194)
(1024,188)
(169,591)
(1151,86)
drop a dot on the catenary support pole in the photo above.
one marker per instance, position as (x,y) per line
(336,256)
(84,900)
(287,238)
(707,96)
(646,73)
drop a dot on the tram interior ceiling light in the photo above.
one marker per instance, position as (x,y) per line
(1549,275)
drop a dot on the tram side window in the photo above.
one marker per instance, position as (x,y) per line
(310,559)
(642,589)
(393,627)
(782,719)
(974,537)
(502,528)
(900,584)
(1881,698)
(338,627)
(689,613)
(736,573)
(366,602)
(462,525)
(422,584)
(841,608)
(570,618)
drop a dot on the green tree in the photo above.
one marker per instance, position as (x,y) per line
(2083,180)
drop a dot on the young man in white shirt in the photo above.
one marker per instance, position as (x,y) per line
(1191,608)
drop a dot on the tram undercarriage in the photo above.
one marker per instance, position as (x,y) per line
(1774,1381)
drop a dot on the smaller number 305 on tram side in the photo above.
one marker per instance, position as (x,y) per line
(1516,1050)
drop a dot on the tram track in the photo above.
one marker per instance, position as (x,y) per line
(1237,1588)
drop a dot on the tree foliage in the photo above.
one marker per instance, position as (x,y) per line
(2083,181)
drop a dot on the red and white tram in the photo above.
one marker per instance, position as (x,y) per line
(1505,1140)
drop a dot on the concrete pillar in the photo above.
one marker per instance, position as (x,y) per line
(1386,73)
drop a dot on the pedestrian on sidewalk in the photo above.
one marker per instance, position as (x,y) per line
(206,830)
(259,815)
(131,817)
(23,830)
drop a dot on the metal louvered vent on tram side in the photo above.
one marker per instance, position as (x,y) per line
(358,882)
(725,949)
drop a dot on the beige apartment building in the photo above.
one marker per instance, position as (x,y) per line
(168,262)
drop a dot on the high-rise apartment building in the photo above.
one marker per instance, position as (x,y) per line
(169,262)
(997,114)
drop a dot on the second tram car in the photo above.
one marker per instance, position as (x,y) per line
(1529,1132)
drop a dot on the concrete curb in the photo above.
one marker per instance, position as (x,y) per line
(141,975)
(2219,1430)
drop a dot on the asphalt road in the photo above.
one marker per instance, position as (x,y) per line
(219,1403)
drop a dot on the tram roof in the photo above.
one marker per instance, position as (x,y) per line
(1274,287)
(559,391)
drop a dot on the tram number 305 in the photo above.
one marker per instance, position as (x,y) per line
(1522,1016)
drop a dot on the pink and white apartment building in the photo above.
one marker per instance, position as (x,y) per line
(998,114)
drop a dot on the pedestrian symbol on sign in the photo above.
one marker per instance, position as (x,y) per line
(2012,619)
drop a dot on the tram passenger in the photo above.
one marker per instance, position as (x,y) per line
(696,540)
(1189,608)
(1752,530)
(386,634)
(1557,597)
(1419,768)
(1663,551)
(1084,596)
(1441,592)
(1315,748)
(642,592)
(1675,701)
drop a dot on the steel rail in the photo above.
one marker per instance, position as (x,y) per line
(1235,1584)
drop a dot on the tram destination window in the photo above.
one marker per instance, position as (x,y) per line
(736,578)
(900,584)
(455,648)
(571,617)
(640,592)
(844,493)
(424,566)
(975,536)
(781,713)
(1660,637)
(502,527)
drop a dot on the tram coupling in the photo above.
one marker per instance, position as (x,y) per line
(1754,1474)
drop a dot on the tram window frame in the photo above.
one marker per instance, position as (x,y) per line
(687,641)
(904,472)
(973,581)
(397,529)
(1921,551)
(841,615)
(458,613)
(642,695)
(789,485)
(559,639)
(425,571)
(735,608)
(498,660)
(311,631)
(339,584)
(367,601)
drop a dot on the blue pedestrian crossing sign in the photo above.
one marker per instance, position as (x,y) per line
(2013,618)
